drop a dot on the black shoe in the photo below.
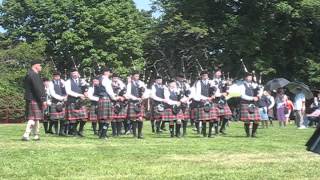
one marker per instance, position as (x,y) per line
(80,133)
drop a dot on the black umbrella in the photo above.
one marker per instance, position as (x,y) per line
(297,87)
(276,84)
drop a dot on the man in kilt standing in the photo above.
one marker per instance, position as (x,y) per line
(106,95)
(157,96)
(249,111)
(224,111)
(120,106)
(135,92)
(76,112)
(173,112)
(205,111)
(35,100)
(185,89)
(57,110)
(94,98)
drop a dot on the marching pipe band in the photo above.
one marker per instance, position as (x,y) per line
(108,100)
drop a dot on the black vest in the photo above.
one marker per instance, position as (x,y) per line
(101,90)
(58,89)
(75,87)
(134,89)
(249,90)
(204,89)
(159,91)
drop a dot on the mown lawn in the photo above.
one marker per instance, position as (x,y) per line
(275,154)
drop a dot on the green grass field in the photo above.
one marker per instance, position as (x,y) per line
(275,154)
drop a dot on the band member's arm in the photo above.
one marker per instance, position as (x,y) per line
(91,96)
(272,102)
(154,96)
(69,91)
(108,86)
(38,88)
(129,95)
(243,94)
(53,93)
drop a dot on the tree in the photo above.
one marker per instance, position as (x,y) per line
(81,32)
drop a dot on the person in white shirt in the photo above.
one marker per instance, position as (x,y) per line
(157,96)
(249,109)
(106,96)
(136,91)
(224,111)
(204,111)
(271,104)
(94,98)
(76,111)
(300,109)
(57,111)
(184,87)
(120,107)
(173,112)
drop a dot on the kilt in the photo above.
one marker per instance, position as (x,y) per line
(33,111)
(121,115)
(132,114)
(105,110)
(157,116)
(187,114)
(168,115)
(246,116)
(225,111)
(73,114)
(199,114)
(54,115)
(92,116)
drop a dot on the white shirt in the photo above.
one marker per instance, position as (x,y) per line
(90,94)
(271,99)
(107,83)
(298,100)
(53,92)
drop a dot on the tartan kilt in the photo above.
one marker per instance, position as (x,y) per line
(33,111)
(168,115)
(225,111)
(92,116)
(187,113)
(246,116)
(157,116)
(105,110)
(121,115)
(200,115)
(73,114)
(132,113)
(54,115)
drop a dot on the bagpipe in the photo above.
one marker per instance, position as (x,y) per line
(177,108)
(77,101)
(119,105)
(141,91)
